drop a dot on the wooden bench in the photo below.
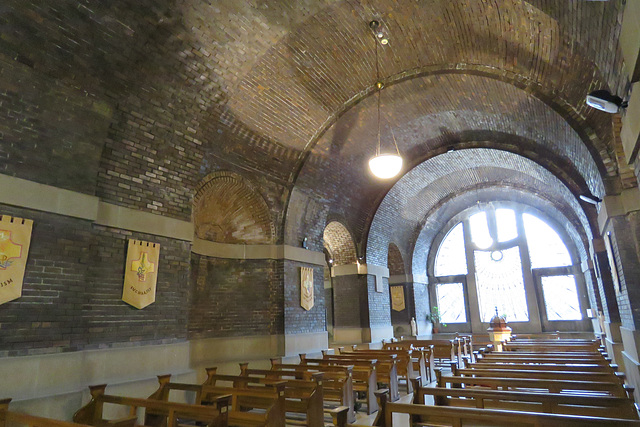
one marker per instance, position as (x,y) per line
(404,361)
(552,403)
(444,351)
(8,418)
(365,379)
(386,369)
(304,391)
(537,373)
(337,385)
(252,403)
(447,416)
(609,388)
(582,367)
(157,413)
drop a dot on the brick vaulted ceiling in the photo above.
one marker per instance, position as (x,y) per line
(138,101)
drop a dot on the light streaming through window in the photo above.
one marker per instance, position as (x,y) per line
(451,302)
(506,222)
(561,297)
(480,230)
(546,249)
(451,259)
(500,284)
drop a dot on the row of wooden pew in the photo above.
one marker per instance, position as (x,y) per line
(538,382)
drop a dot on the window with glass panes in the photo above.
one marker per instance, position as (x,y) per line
(500,247)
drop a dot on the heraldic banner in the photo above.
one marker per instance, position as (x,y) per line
(397,298)
(306,288)
(15,237)
(141,273)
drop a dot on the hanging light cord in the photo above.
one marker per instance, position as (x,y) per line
(379,88)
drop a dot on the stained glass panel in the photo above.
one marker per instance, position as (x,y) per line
(451,259)
(451,302)
(546,249)
(506,224)
(561,297)
(500,284)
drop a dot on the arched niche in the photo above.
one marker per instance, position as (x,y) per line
(339,243)
(228,209)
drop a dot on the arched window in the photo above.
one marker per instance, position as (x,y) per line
(497,250)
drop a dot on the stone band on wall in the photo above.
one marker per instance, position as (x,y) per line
(46,198)
(234,251)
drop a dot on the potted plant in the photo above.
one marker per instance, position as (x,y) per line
(434,317)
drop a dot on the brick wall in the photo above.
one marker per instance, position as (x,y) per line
(404,316)
(73,288)
(379,303)
(296,319)
(235,297)
(350,301)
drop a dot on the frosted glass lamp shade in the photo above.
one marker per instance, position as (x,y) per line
(385,166)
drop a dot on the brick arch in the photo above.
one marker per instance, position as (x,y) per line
(339,243)
(228,209)
(395,261)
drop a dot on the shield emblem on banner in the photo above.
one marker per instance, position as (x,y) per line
(306,288)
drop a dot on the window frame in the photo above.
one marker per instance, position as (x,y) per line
(538,321)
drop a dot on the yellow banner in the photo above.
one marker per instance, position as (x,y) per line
(306,288)
(141,273)
(397,298)
(15,238)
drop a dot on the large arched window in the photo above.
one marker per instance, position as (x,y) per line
(497,250)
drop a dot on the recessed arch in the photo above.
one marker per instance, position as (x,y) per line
(339,243)
(395,261)
(227,208)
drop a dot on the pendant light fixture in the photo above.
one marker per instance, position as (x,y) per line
(383,165)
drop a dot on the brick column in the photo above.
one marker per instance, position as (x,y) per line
(361,304)
(619,221)
(607,293)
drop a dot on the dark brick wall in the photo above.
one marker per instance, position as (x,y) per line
(421,300)
(403,317)
(350,301)
(235,297)
(296,319)
(379,303)
(73,287)
(625,233)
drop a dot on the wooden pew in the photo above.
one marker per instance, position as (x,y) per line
(581,367)
(386,369)
(365,379)
(265,398)
(559,346)
(608,388)
(545,358)
(447,416)
(91,414)
(337,385)
(403,357)
(299,398)
(552,403)
(445,351)
(501,372)
(8,418)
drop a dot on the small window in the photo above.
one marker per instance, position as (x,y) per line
(500,285)
(451,302)
(451,259)
(561,297)
(546,248)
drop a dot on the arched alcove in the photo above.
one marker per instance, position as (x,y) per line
(228,209)
(339,244)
